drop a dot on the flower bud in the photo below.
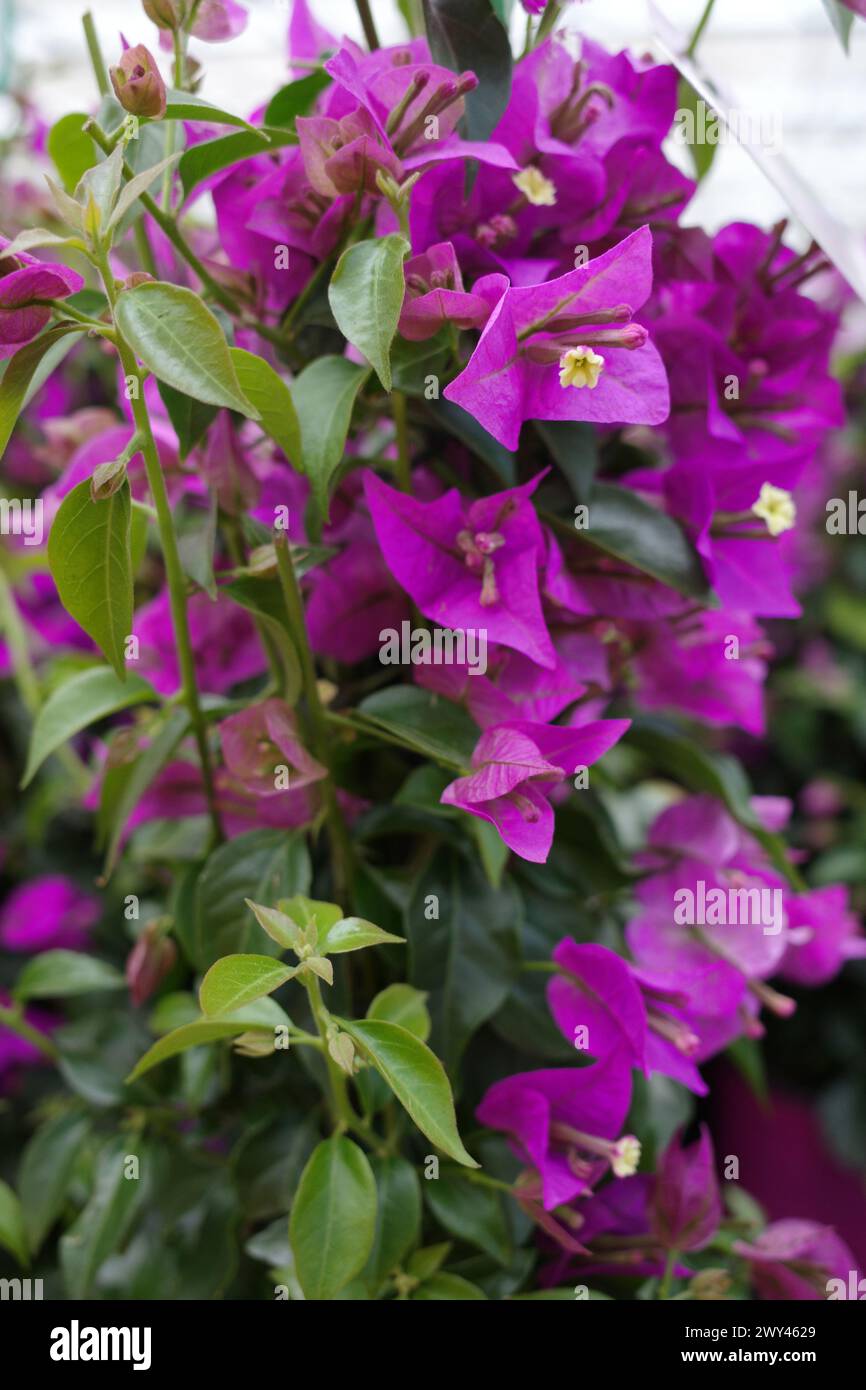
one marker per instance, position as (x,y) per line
(164,13)
(149,961)
(137,83)
(686,1208)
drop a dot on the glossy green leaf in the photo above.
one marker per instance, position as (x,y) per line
(366,296)
(47,1166)
(133,190)
(13,1236)
(209,157)
(424,722)
(263,865)
(272,399)
(235,981)
(451,1288)
(333,1220)
(417,1078)
(353,934)
(468,34)
(574,446)
(263,1016)
(324,395)
(622,524)
(295,99)
(264,597)
(84,698)
(471,1213)
(91,563)
(398,1217)
(279,927)
(190,418)
(185,106)
(178,339)
(19,373)
(60,974)
(72,150)
(457,421)
(103,1224)
(405,1005)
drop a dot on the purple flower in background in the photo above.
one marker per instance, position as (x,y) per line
(564,1123)
(259,741)
(568,350)
(47,913)
(822,934)
(24,279)
(513,762)
(686,1205)
(16,1052)
(225,644)
(472,566)
(217,21)
(796,1260)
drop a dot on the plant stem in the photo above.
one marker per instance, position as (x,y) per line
(171,556)
(547,21)
(699,31)
(96,59)
(667,1277)
(341,1106)
(341,848)
(366,17)
(14,1019)
(404,474)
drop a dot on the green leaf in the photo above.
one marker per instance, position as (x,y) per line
(103,1224)
(471,1213)
(84,698)
(196,541)
(842,19)
(333,1221)
(423,1264)
(353,934)
(574,446)
(622,524)
(295,99)
(91,564)
(12,1232)
(448,1287)
(184,106)
(35,238)
(178,339)
(273,400)
(424,722)
(465,427)
(61,974)
(138,524)
(71,149)
(263,865)
(47,1166)
(467,957)
(18,374)
(311,912)
(190,418)
(210,156)
(366,296)
(237,980)
(417,1078)
(398,1217)
(405,1005)
(701,151)
(468,34)
(138,185)
(263,1016)
(278,925)
(324,396)
(264,596)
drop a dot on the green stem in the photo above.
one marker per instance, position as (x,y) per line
(404,473)
(341,1107)
(667,1277)
(96,59)
(341,848)
(366,17)
(547,21)
(13,630)
(699,31)
(14,1019)
(171,556)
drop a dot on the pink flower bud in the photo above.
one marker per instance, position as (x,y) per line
(149,961)
(137,83)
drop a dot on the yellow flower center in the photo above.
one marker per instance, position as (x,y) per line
(777,508)
(536,189)
(626,1156)
(580,366)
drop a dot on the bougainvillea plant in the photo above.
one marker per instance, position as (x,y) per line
(396,495)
